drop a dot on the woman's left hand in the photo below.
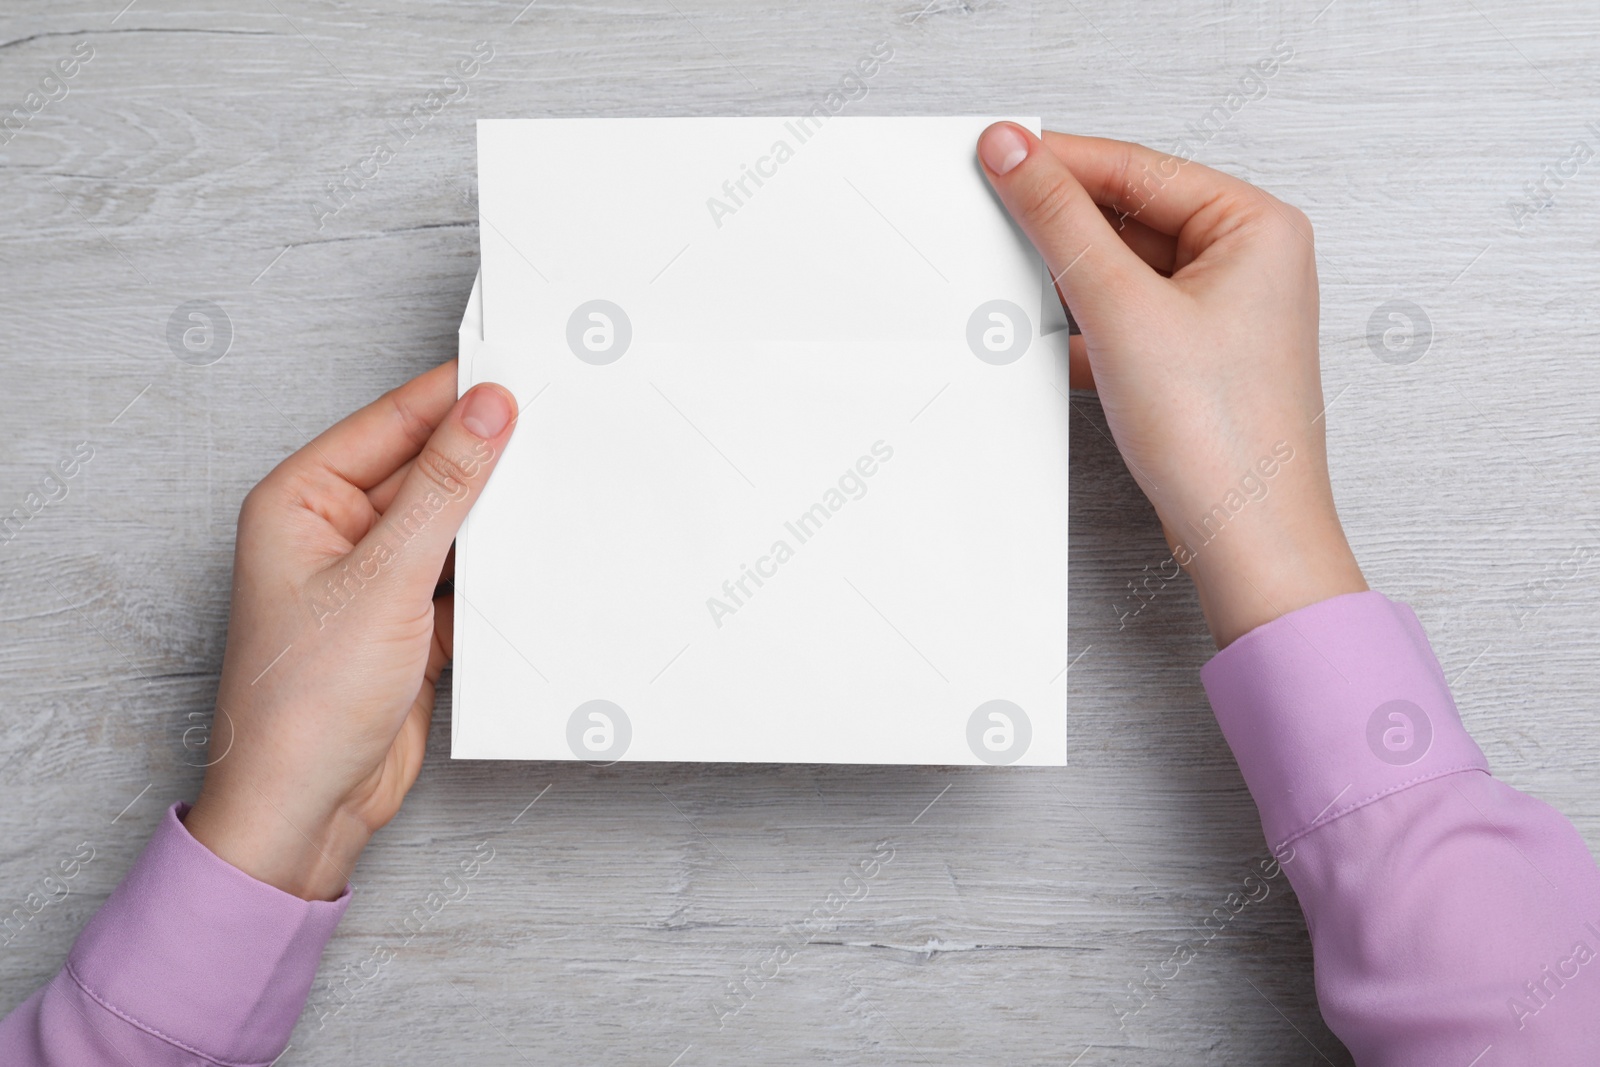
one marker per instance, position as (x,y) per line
(336,639)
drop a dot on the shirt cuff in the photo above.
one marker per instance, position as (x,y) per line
(194,951)
(1334,706)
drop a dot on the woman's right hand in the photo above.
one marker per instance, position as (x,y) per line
(1197,297)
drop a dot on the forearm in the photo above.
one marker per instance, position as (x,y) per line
(1456,916)
(1438,899)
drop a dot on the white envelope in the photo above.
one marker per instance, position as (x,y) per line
(774,543)
(893,621)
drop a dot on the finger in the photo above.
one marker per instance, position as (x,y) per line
(410,745)
(1158,250)
(370,445)
(410,543)
(1079,374)
(1170,194)
(444,630)
(1090,264)
(411,741)
(382,495)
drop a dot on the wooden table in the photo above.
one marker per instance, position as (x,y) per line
(185,162)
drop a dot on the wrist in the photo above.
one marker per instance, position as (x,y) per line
(308,854)
(1248,583)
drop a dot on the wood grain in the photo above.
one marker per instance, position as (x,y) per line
(183,164)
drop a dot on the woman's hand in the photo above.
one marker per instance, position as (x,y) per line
(336,639)
(1197,297)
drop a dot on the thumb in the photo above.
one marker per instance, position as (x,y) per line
(1091,265)
(410,541)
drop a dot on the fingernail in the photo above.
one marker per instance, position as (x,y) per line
(1002,147)
(487,412)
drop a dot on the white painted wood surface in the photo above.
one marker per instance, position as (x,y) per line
(182,164)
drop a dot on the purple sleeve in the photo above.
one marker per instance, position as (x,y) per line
(1453,919)
(190,961)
